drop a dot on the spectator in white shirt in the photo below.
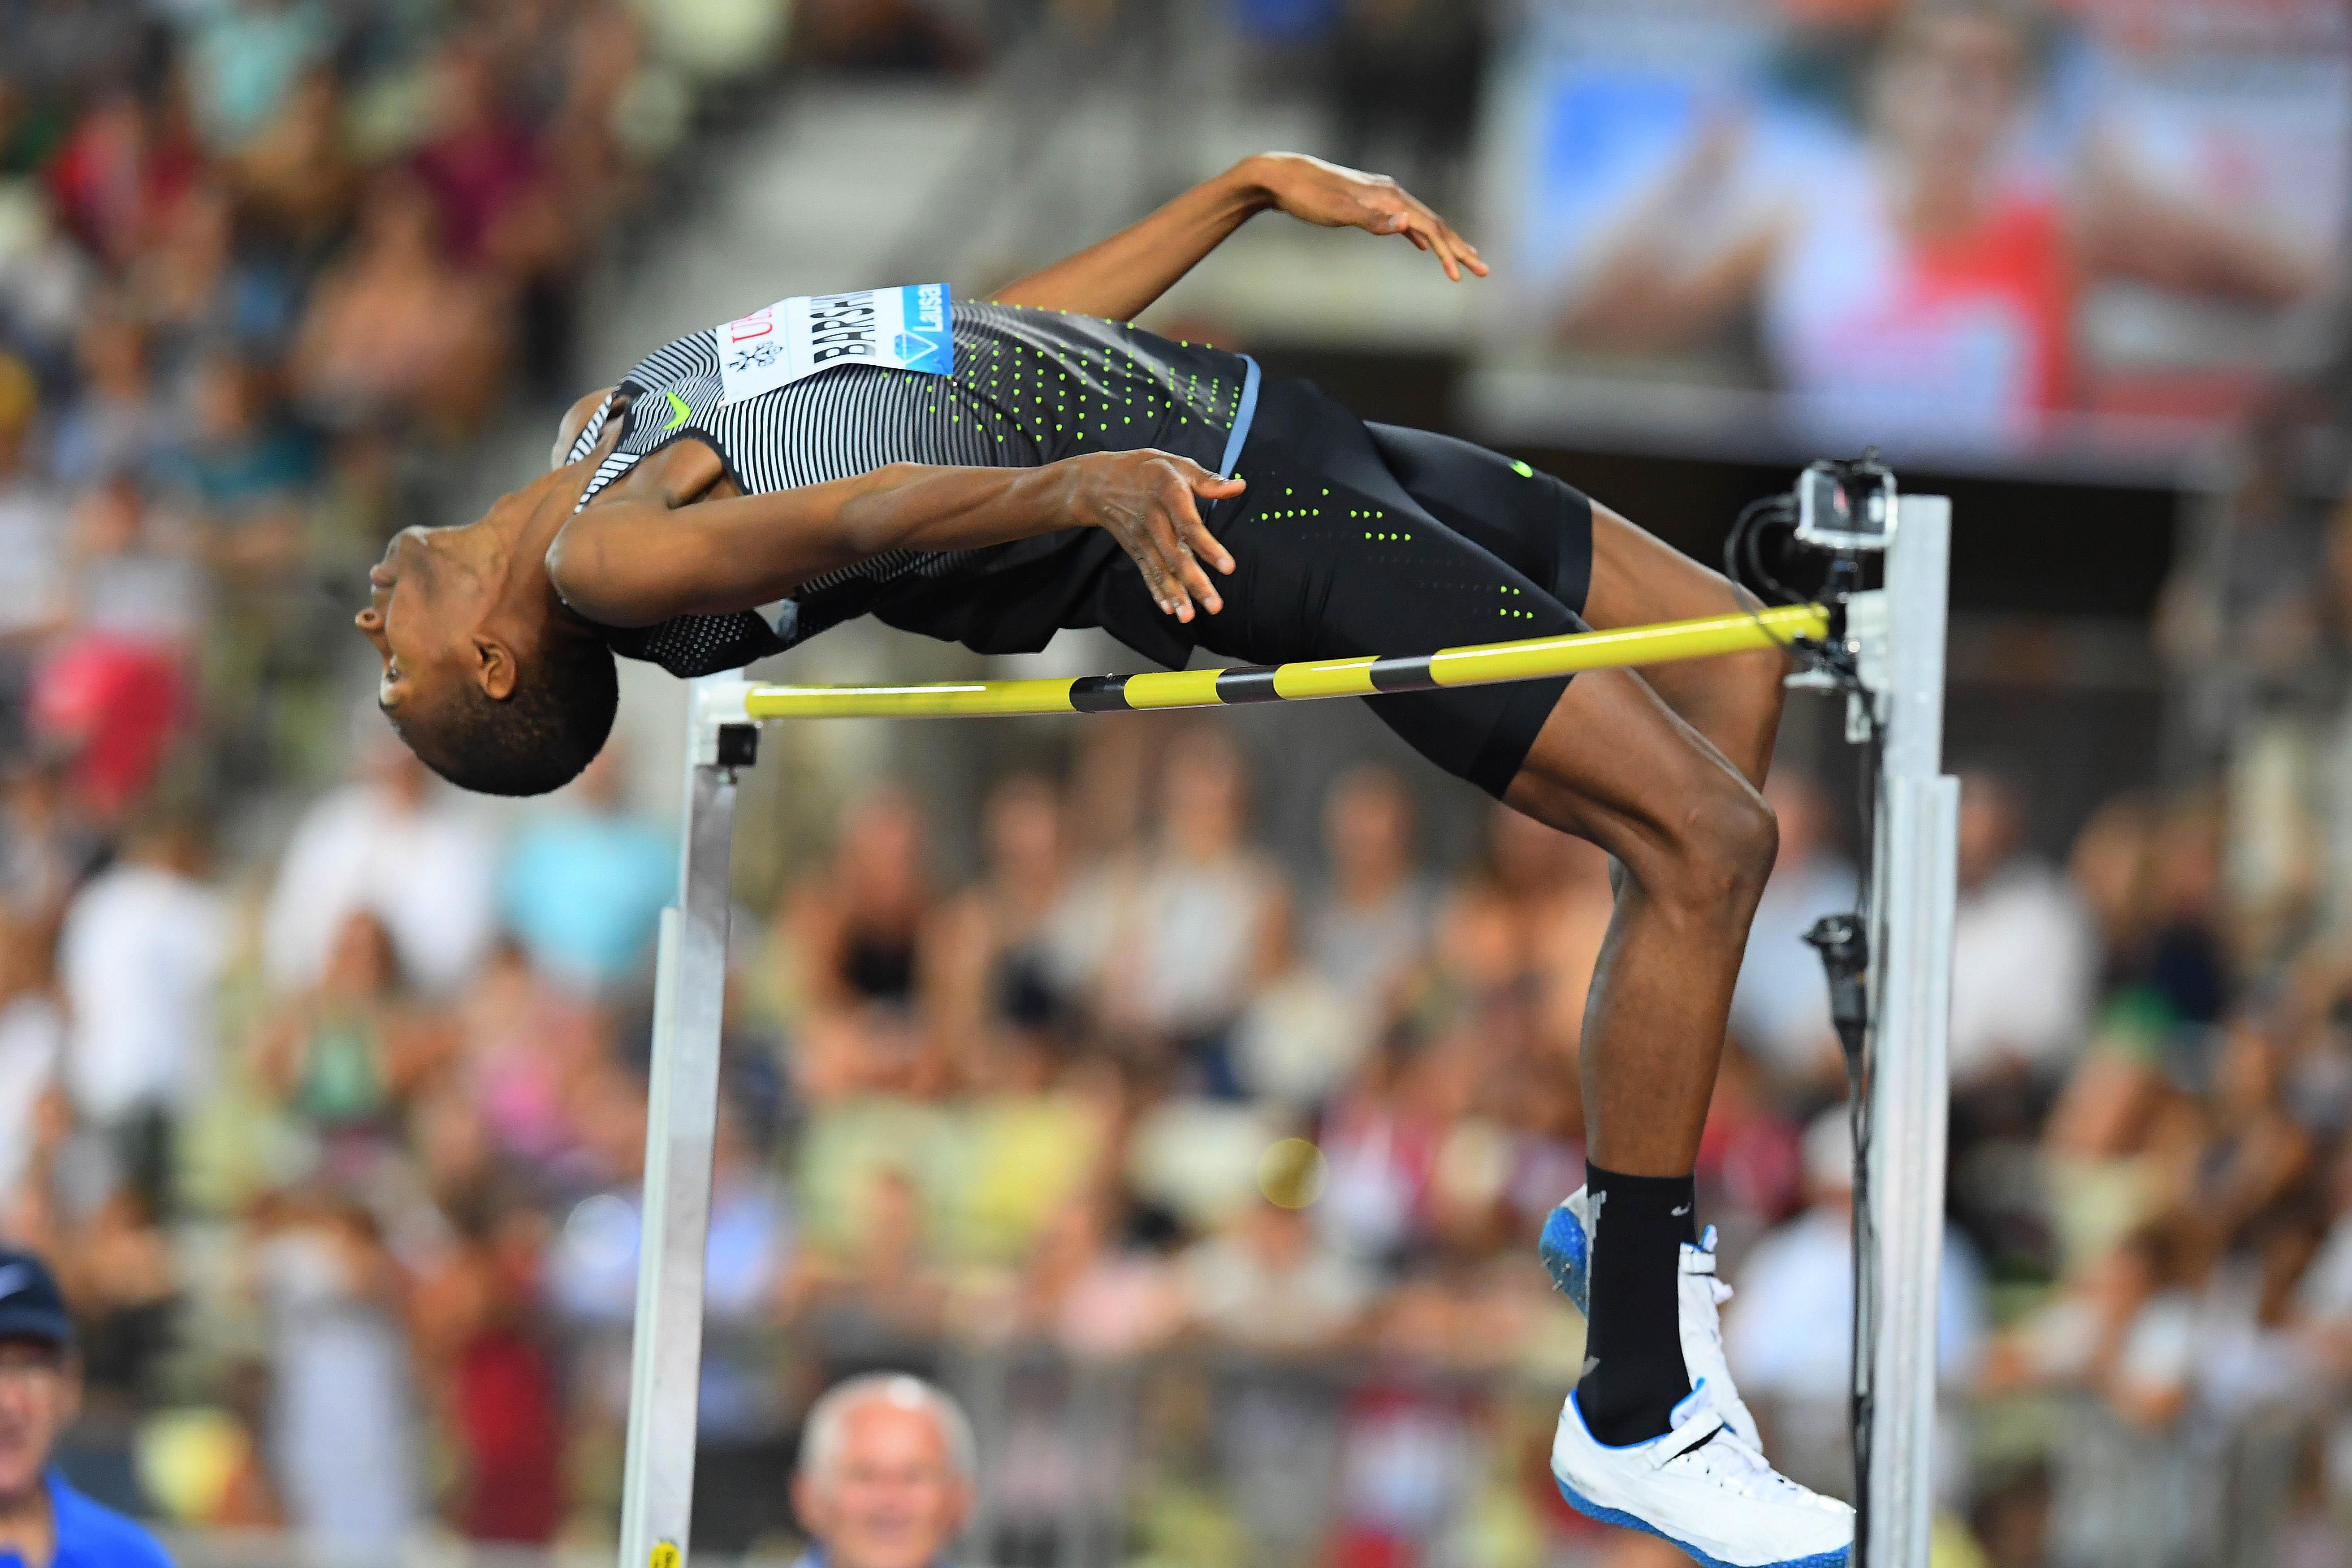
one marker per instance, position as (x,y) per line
(1192,932)
(1789,1332)
(1780,1011)
(1265,1282)
(2024,958)
(139,960)
(1374,922)
(395,844)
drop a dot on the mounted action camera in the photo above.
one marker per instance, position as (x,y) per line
(1846,505)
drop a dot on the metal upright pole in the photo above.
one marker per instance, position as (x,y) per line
(682,1126)
(1912,893)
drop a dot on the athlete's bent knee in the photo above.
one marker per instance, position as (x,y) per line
(1743,832)
(1719,841)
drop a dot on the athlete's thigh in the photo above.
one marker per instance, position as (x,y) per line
(1734,700)
(1538,524)
(1638,578)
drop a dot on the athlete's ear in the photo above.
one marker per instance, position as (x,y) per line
(494,670)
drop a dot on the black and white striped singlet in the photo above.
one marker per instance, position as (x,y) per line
(1029,388)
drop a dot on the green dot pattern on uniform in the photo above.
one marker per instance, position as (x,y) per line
(1084,386)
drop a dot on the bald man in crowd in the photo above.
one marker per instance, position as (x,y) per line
(886,1474)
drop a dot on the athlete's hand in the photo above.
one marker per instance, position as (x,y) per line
(1149,501)
(1315,191)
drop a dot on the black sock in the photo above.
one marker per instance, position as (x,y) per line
(1633,1340)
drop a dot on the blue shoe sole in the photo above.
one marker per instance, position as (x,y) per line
(1567,1254)
(1593,1510)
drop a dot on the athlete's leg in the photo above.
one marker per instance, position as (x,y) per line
(1362,540)
(1616,764)
(1688,847)
(1337,556)
(1733,700)
(1662,991)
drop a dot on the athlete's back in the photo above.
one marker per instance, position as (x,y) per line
(1026,387)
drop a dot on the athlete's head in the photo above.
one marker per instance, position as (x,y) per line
(487,676)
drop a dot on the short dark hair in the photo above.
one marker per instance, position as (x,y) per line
(550,726)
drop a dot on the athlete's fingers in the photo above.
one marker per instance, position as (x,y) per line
(1177,518)
(1461,249)
(1156,581)
(1467,251)
(1192,529)
(1190,473)
(1430,232)
(1199,589)
(1155,549)
(1206,548)
(1169,585)
(1424,228)
(1194,576)
(1167,538)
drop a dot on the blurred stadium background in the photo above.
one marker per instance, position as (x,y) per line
(1184,1095)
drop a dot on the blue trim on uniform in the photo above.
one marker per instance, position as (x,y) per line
(1243,414)
(91,1535)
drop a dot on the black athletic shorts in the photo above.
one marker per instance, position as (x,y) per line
(1357,539)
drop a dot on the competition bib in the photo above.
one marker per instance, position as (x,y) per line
(897,329)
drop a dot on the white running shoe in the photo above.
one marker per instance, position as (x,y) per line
(1702,1489)
(1566,1250)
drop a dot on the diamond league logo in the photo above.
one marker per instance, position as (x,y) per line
(759,356)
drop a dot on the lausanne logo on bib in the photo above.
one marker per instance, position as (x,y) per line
(897,329)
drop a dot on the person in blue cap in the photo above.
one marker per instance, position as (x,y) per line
(44,1522)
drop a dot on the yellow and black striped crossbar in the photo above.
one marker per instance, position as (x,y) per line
(1534,658)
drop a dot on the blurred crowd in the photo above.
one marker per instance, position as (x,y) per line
(1206,1169)
(266,266)
(1212,1185)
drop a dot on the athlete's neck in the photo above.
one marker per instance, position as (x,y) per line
(512,538)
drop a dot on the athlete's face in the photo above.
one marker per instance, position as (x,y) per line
(449,606)
(425,604)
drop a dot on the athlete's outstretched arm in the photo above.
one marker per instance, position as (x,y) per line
(635,557)
(1134,267)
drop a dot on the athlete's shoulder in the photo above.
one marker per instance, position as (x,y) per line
(683,359)
(91,1535)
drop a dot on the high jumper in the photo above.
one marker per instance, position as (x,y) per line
(992,472)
